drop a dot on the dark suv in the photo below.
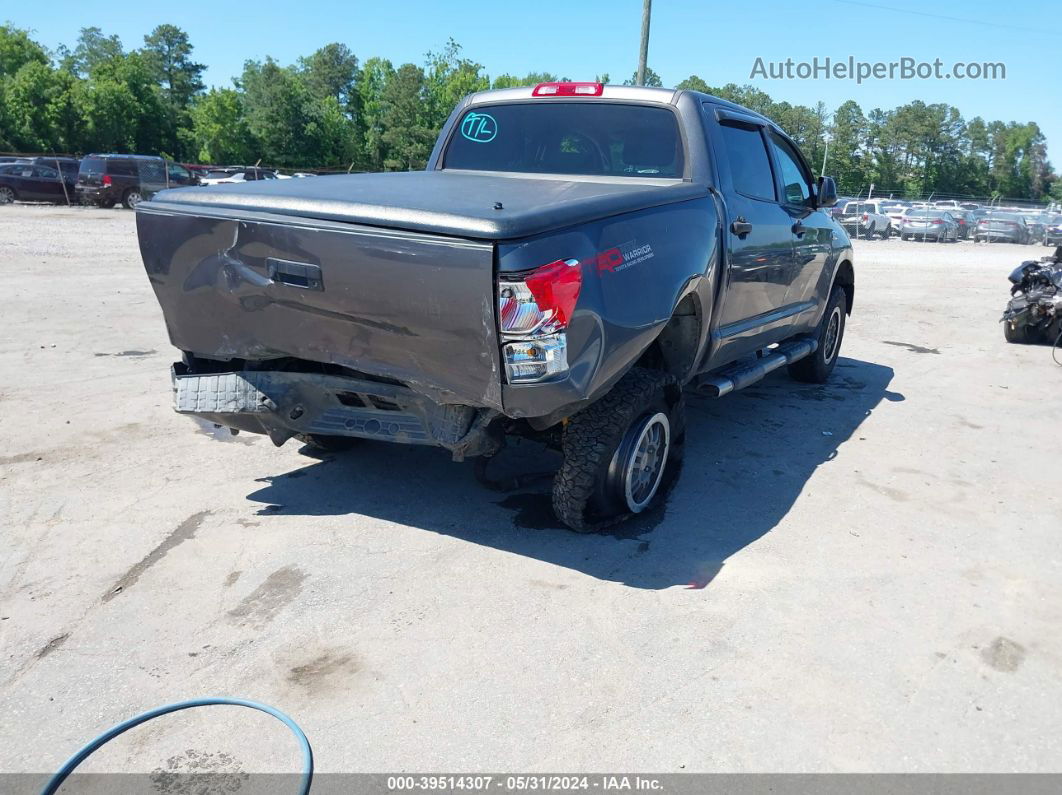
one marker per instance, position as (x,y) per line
(105,180)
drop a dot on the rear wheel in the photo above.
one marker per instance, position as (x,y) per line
(7,195)
(132,198)
(617,451)
(816,368)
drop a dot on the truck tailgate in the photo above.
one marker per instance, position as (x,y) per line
(414,307)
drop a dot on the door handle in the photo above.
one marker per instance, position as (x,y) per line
(740,227)
(798,229)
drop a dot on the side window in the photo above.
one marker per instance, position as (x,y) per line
(121,168)
(795,182)
(750,168)
(178,172)
(43,172)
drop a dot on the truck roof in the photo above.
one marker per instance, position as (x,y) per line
(664,96)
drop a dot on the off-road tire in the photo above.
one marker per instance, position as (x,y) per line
(585,497)
(1020,334)
(816,368)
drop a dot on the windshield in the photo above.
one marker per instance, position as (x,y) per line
(552,137)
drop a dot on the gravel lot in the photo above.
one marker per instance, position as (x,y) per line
(858,577)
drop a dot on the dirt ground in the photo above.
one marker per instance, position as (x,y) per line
(858,577)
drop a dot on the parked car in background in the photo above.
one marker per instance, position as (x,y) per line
(67,166)
(965,220)
(894,209)
(216,176)
(1036,226)
(1002,227)
(864,218)
(301,174)
(31,182)
(180,175)
(1053,229)
(107,179)
(929,223)
(229,175)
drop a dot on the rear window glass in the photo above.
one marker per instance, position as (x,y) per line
(590,138)
(92,165)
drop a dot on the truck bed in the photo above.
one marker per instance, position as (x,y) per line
(461,204)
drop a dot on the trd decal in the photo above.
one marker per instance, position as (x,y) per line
(621,257)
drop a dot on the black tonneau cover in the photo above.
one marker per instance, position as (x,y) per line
(457,203)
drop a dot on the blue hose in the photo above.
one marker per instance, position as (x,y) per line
(304,744)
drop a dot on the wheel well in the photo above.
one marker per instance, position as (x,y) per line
(845,279)
(675,347)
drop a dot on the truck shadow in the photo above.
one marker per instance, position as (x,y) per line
(748,457)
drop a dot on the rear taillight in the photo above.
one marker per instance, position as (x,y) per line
(937,222)
(865,218)
(568,90)
(106,181)
(982,222)
(533,310)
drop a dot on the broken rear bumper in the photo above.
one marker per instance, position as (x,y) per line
(284,404)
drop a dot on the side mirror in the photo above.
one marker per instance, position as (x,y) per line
(827,192)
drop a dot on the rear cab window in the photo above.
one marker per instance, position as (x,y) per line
(579,138)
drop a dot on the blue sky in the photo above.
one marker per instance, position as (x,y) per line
(718,41)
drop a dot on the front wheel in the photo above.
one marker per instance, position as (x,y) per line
(618,450)
(816,368)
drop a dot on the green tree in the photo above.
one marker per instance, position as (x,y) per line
(407,131)
(530,79)
(694,83)
(92,49)
(17,49)
(375,75)
(651,79)
(220,131)
(168,53)
(448,78)
(332,71)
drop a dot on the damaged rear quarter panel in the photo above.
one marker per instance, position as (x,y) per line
(414,307)
(636,268)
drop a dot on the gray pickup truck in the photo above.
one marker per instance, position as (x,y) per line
(572,258)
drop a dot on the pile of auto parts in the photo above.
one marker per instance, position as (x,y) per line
(1034,312)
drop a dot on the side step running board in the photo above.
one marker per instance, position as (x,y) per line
(741,375)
